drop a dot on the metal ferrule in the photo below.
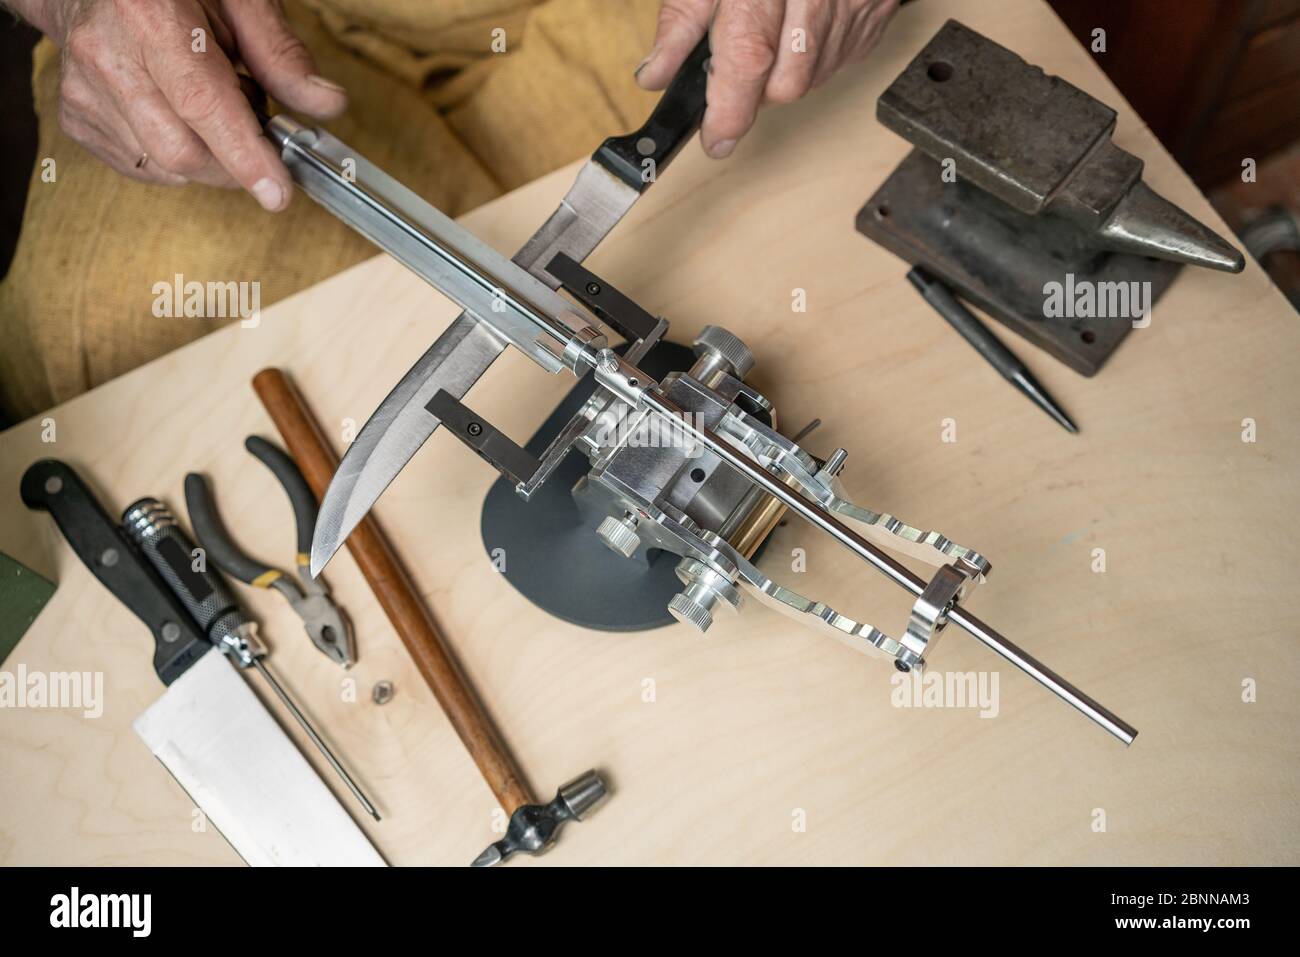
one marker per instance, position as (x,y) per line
(238,639)
(583,794)
(146,519)
(625,381)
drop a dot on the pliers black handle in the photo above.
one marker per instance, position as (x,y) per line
(300,494)
(325,623)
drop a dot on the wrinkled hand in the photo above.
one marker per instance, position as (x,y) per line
(773,50)
(160,102)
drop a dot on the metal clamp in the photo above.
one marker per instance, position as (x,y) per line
(930,613)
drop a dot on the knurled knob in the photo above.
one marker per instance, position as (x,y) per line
(689,611)
(618,535)
(726,346)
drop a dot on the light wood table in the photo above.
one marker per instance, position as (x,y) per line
(718,747)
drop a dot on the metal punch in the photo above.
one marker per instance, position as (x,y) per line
(326,625)
(988,345)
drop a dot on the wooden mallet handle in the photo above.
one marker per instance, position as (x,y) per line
(396,595)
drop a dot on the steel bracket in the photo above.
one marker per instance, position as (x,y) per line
(930,612)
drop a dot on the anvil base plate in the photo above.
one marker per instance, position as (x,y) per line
(1001,259)
(550,551)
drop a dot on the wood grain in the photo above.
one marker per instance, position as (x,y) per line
(396,594)
(717,747)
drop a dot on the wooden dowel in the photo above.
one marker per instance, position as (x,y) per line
(396,595)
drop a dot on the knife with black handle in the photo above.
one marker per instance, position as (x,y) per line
(674,121)
(54,486)
(607,186)
(204,593)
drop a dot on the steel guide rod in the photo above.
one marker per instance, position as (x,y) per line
(335,185)
(617,376)
(891,568)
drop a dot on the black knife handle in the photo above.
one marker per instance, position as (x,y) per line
(54,487)
(674,121)
(151,525)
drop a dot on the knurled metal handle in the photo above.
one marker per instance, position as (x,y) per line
(152,526)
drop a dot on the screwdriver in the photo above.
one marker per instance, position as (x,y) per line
(986,344)
(151,525)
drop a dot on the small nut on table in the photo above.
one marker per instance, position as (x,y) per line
(383,692)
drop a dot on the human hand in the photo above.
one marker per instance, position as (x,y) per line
(149,86)
(758,53)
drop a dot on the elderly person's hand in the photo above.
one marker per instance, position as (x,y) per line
(149,86)
(761,50)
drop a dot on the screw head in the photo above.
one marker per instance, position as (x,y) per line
(690,612)
(619,535)
(728,347)
(474,429)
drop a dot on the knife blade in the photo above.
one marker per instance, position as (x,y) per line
(606,188)
(208,729)
(236,763)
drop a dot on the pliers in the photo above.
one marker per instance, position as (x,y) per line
(309,597)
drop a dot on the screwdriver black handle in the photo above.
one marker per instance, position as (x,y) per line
(674,121)
(215,540)
(54,486)
(152,526)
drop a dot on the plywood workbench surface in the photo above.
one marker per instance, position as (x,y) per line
(759,743)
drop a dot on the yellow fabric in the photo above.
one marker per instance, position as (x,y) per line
(430,102)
